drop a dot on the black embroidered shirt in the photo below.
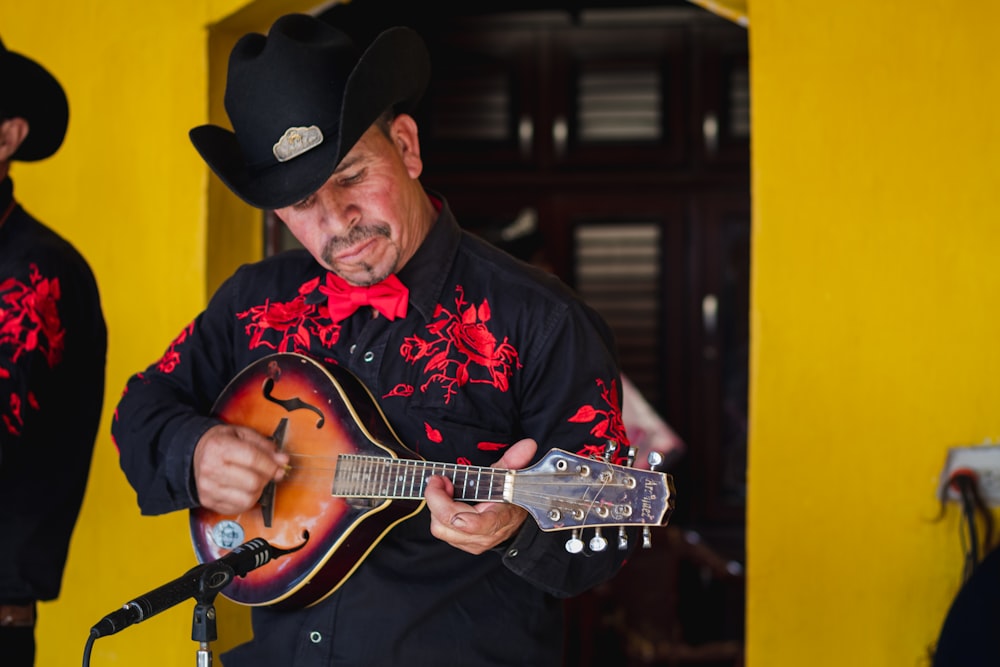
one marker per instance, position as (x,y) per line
(490,351)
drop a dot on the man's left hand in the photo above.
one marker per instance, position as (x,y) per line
(477,528)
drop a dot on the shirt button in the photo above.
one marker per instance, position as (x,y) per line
(353,347)
(369,355)
(512,553)
(315,637)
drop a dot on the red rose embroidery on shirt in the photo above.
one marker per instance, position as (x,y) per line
(29,322)
(462,349)
(29,317)
(291,325)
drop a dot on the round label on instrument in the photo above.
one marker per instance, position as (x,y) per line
(228,534)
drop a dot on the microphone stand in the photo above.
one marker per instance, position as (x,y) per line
(203,627)
(202,582)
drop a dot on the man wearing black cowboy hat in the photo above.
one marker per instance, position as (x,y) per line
(53,343)
(467,356)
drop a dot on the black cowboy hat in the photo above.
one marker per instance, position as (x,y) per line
(299,99)
(28,91)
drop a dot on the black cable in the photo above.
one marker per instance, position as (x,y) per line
(974,507)
(86,649)
(966,486)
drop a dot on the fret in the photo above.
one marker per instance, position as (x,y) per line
(370,478)
(398,479)
(461,482)
(414,472)
(359,478)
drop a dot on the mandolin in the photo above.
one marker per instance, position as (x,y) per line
(351,480)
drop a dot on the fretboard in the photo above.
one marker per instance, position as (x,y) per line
(359,476)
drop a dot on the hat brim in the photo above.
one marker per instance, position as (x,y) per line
(271,188)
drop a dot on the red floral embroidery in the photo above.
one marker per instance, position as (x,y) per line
(461,349)
(29,317)
(433,434)
(400,390)
(171,359)
(29,322)
(490,446)
(290,326)
(609,424)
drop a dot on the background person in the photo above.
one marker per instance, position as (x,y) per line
(53,344)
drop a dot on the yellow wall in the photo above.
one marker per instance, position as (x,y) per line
(876,155)
(874,335)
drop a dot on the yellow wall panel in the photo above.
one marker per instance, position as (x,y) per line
(873,326)
(129,189)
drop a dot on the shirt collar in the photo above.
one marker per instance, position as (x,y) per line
(426,272)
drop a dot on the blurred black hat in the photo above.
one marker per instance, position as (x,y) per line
(28,91)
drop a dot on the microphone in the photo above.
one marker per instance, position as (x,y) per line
(207,578)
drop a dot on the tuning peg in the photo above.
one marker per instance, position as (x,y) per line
(647,538)
(610,446)
(574,544)
(622,539)
(598,542)
(630,461)
(655,461)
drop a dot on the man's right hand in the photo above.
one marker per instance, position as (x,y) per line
(232,465)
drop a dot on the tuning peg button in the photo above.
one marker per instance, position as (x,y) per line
(574,544)
(598,542)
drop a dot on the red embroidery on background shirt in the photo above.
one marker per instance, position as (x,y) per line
(461,349)
(29,322)
(295,322)
(609,424)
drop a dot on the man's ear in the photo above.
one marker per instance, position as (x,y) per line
(13,132)
(407,140)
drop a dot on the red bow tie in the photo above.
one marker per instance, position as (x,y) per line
(388,297)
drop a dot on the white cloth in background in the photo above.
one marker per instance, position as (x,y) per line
(647,431)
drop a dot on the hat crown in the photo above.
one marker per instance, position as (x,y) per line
(293,77)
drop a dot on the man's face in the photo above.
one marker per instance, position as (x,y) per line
(369,217)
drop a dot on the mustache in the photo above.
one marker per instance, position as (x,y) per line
(355,236)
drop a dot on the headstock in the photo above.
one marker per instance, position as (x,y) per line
(566,491)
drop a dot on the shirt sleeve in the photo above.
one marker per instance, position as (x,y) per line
(573,385)
(165,410)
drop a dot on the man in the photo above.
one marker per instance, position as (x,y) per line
(53,343)
(475,361)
